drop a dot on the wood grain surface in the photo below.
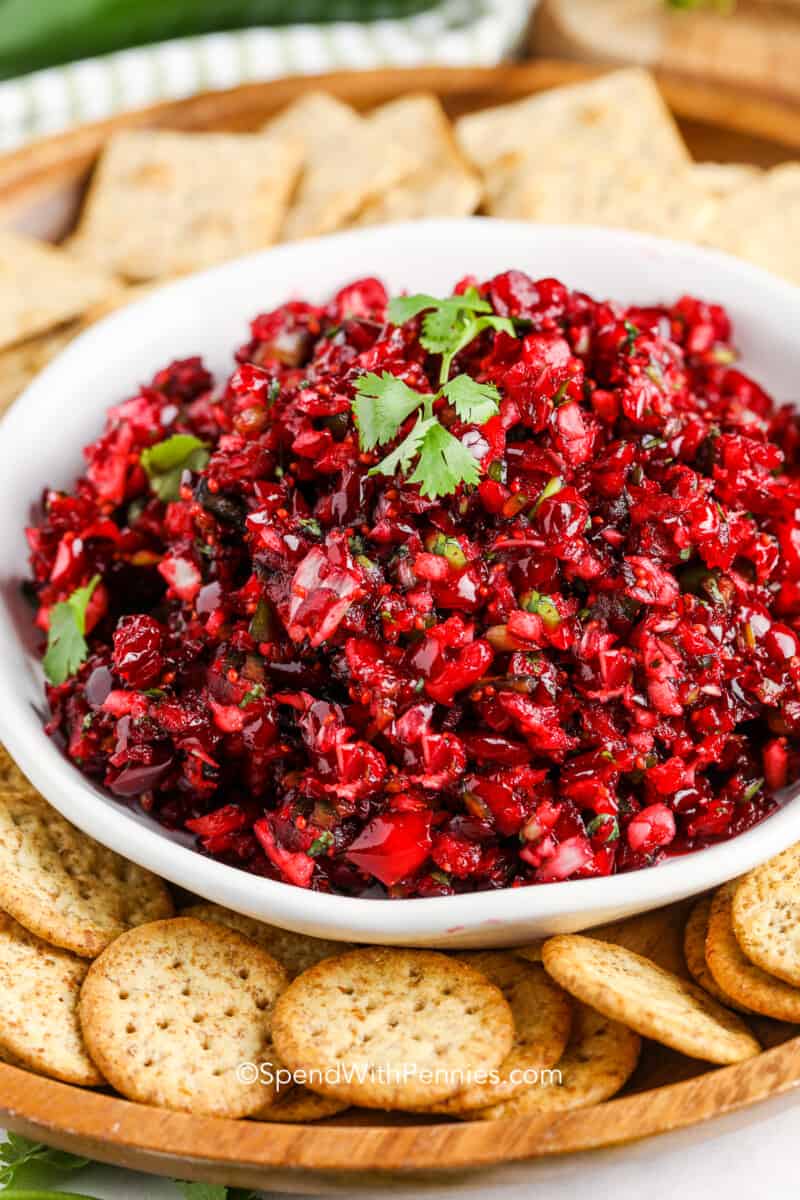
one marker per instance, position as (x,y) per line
(362,1149)
(40,187)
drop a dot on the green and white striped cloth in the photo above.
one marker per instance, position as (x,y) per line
(454,33)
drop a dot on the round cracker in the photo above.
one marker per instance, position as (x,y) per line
(599,1060)
(532,952)
(694,949)
(655,1003)
(10,774)
(542,1014)
(171,1009)
(294,951)
(736,975)
(766,916)
(65,887)
(657,935)
(39,990)
(299,1105)
(388,1028)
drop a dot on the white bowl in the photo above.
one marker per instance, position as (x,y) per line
(208,314)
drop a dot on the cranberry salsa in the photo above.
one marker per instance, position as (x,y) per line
(437,595)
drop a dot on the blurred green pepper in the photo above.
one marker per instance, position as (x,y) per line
(43,33)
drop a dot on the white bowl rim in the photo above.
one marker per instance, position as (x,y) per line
(578,902)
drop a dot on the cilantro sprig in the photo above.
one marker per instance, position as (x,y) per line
(165,462)
(26,1164)
(66,643)
(384,403)
(213,1191)
(26,1167)
(449,324)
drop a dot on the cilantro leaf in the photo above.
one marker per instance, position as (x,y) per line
(401,456)
(450,323)
(166,461)
(440,326)
(382,405)
(213,1191)
(475,403)
(202,1191)
(449,338)
(22,1160)
(66,644)
(405,308)
(444,463)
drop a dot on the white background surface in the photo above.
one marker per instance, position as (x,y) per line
(747,1156)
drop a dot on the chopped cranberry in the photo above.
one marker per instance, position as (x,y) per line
(651,828)
(585,663)
(138,656)
(392,846)
(296,866)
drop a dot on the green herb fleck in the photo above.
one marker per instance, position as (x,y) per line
(165,463)
(604,824)
(321,844)
(543,606)
(752,791)
(255,693)
(262,626)
(311,525)
(632,332)
(560,397)
(447,547)
(551,488)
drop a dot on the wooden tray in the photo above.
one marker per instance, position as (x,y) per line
(758,50)
(40,187)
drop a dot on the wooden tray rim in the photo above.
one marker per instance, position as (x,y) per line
(73,1118)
